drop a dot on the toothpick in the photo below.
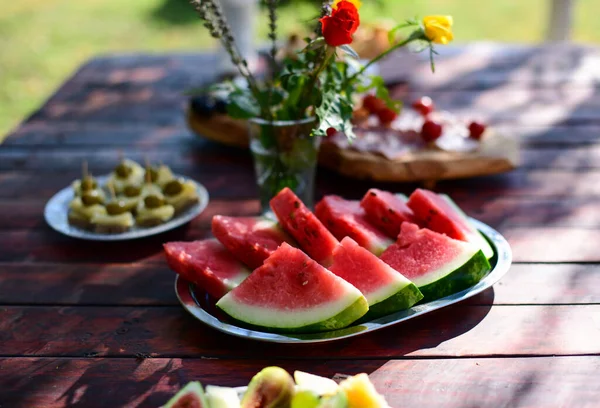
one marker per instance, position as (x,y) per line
(111,188)
(84,168)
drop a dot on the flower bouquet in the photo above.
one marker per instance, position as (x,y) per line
(310,94)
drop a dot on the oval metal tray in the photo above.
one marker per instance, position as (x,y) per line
(57,208)
(202,307)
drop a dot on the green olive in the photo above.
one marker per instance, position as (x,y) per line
(116,208)
(88,183)
(153,174)
(92,197)
(132,191)
(153,201)
(173,187)
(123,170)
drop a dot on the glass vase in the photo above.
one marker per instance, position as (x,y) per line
(285,155)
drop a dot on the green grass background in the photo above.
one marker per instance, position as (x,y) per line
(42,42)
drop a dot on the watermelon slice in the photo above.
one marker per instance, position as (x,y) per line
(441,214)
(386,290)
(207,264)
(437,264)
(292,293)
(250,239)
(302,224)
(386,211)
(346,218)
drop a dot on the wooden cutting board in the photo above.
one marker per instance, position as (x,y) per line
(497,153)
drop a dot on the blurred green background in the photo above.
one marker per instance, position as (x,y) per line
(43,42)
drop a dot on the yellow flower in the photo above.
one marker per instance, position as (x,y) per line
(357,3)
(438,29)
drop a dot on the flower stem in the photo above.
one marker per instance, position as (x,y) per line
(416,35)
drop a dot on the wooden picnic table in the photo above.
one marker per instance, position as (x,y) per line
(86,324)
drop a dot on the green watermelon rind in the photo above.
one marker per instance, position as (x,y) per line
(459,279)
(347,316)
(475,237)
(403,299)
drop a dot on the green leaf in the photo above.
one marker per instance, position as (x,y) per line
(315,44)
(349,50)
(242,105)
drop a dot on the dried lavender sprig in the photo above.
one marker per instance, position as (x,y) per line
(272,6)
(325,11)
(214,20)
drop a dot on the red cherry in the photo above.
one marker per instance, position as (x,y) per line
(476,130)
(331,131)
(431,131)
(386,115)
(373,103)
(424,105)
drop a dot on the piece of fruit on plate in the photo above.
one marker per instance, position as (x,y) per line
(361,392)
(304,226)
(250,239)
(292,293)
(437,264)
(386,290)
(345,218)
(440,214)
(207,264)
(190,396)
(271,387)
(386,211)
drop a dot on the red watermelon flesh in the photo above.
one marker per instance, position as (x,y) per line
(291,292)
(439,214)
(346,218)
(207,264)
(250,239)
(386,211)
(304,226)
(437,264)
(418,251)
(386,289)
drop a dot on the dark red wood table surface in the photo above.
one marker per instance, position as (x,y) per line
(86,324)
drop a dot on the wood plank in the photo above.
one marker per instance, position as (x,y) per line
(190,154)
(43,133)
(237,181)
(460,330)
(498,382)
(29,214)
(143,104)
(195,155)
(152,284)
(529,244)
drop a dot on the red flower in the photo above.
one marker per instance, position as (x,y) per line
(343,22)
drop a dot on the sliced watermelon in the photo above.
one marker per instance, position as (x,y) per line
(436,263)
(207,264)
(346,218)
(301,223)
(441,214)
(386,290)
(386,211)
(250,239)
(292,293)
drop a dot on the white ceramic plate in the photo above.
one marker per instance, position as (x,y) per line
(57,208)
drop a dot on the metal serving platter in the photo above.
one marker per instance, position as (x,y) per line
(57,208)
(199,304)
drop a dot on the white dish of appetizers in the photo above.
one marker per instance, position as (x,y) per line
(137,205)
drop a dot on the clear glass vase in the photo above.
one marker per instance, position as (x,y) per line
(285,155)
